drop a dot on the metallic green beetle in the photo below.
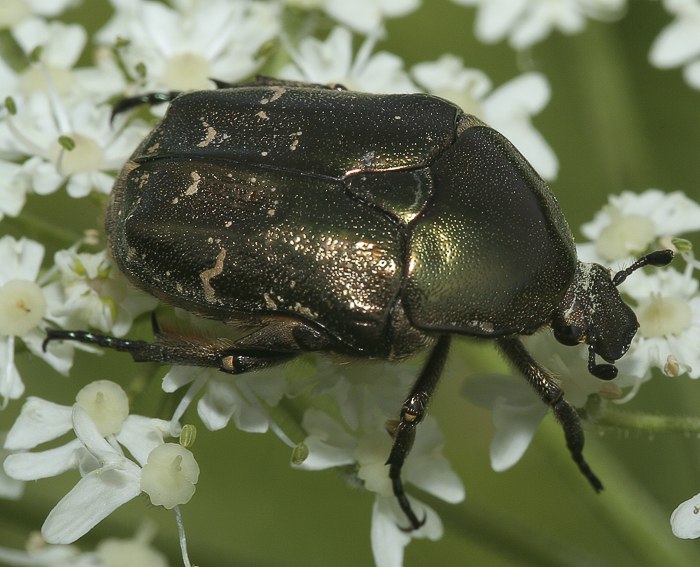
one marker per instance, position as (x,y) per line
(362,224)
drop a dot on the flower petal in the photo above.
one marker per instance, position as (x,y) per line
(388,539)
(515,426)
(38,422)
(677,43)
(94,498)
(44,464)
(140,435)
(685,520)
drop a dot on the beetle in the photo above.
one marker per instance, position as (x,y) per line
(367,225)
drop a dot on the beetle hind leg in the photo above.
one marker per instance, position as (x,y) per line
(267,346)
(412,413)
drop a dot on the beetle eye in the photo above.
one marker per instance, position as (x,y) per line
(569,335)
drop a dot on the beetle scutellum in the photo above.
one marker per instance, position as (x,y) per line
(360,224)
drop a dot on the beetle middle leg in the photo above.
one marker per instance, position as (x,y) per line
(550,392)
(412,413)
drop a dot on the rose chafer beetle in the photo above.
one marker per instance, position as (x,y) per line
(367,225)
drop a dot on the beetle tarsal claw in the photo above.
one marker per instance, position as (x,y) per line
(414,526)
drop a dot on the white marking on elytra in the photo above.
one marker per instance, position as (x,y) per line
(142,180)
(269,302)
(194,186)
(208,137)
(207,275)
(295,141)
(276,93)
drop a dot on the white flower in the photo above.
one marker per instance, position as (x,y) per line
(109,482)
(10,488)
(526,22)
(508,108)
(169,475)
(351,384)
(630,224)
(679,42)
(332,61)
(241,398)
(61,45)
(685,519)
(516,414)
(25,303)
(184,46)
(73,143)
(29,141)
(367,16)
(101,421)
(668,309)
(41,421)
(331,443)
(110,552)
(388,539)
(43,555)
(13,12)
(97,294)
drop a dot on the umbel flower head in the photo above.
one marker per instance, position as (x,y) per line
(103,428)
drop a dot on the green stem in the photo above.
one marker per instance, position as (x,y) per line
(42,230)
(506,538)
(640,421)
(631,513)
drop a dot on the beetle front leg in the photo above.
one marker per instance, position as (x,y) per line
(550,392)
(412,413)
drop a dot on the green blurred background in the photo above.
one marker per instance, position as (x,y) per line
(615,123)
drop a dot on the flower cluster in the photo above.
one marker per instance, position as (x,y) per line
(61,149)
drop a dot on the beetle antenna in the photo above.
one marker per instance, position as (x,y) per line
(658,258)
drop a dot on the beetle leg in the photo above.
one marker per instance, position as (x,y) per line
(272,344)
(151,99)
(550,392)
(412,413)
(174,349)
(264,81)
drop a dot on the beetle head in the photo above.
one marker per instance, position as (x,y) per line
(593,312)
